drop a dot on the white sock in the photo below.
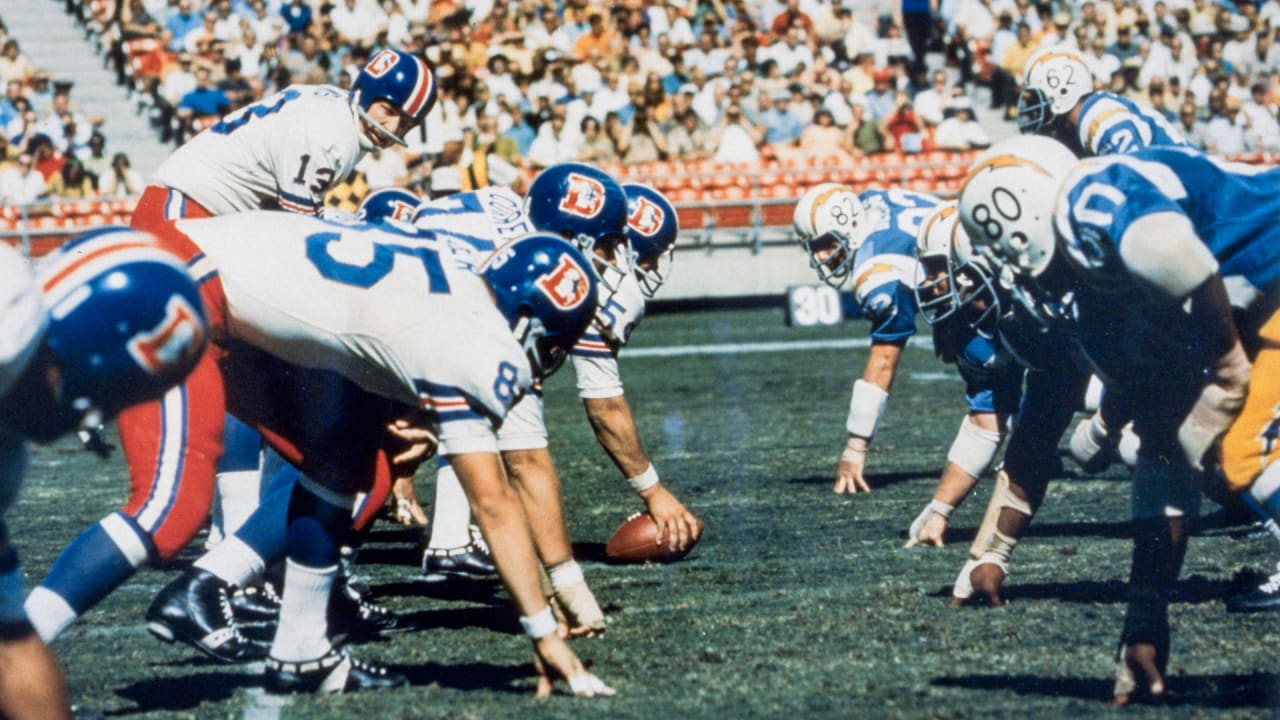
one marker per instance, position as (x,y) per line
(302,634)
(451,513)
(238,495)
(232,561)
(48,612)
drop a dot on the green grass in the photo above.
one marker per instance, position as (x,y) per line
(797,603)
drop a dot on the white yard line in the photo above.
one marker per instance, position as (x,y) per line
(923,343)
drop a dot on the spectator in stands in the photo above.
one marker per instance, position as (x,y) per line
(40,92)
(780,126)
(9,103)
(931,102)
(880,100)
(554,144)
(823,139)
(13,64)
(735,138)
(306,62)
(1225,131)
(8,153)
(45,157)
(595,147)
(643,141)
(600,41)
(387,167)
(791,53)
(518,130)
(94,157)
(71,182)
(688,140)
(238,88)
(203,103)
(297,17)
(959,130)
(22,128)
(21,183)
(1263,133)
(865,136)
(902,129)
(180,22)
(917,22)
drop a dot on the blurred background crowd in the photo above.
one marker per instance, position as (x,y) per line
(530,83)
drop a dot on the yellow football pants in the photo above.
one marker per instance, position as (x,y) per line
(1253,441)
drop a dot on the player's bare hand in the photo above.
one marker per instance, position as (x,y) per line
(978,583)
(408,511)
(553,660)
(849,473)
(1139,674)
(677,527)
(413,441)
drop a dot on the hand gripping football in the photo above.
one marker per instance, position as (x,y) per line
(636,541)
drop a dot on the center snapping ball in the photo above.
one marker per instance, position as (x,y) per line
(636,541)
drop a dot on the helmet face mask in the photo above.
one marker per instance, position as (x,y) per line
(934,286)
(976,294)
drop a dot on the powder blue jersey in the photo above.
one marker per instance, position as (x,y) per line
(884,267)
(1111,124)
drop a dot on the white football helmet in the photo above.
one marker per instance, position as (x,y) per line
(1055,79)
(831,222)
(934,286)
(1007,202)
(973,283)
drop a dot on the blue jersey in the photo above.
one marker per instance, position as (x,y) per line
(1233,209)
(884,267)
(992,375)
(1110,124)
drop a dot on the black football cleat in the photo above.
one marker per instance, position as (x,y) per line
(352,614)
(334,672)
(196,609)
(259,602)
(1263,598)
(468,562)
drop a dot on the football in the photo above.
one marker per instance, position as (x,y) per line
(636,541)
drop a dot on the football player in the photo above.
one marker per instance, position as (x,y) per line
(955,294)
(1058,100)
(554,204)
(871,239)
(1191,243)
(109,321)
(316,296)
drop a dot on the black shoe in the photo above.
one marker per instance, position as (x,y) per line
(468,562)
(334,672)
(353,615)
(195,609)
(258,602)
(1263,598)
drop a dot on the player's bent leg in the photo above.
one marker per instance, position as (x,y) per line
(983,574)
(239,480)
(302,657)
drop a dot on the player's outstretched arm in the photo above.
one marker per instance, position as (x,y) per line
(870,393)
(971,455)
(615,429)
(501,518)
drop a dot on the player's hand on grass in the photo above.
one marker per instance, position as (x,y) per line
(553,660)
(1139,674)
(929,526)
(853,462)
(677,527)
(979,582)
(577,611)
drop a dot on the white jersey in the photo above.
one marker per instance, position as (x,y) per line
(400,319)
(22,316)
(284,151)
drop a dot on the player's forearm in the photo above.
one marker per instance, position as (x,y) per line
(616,431)
(497,510)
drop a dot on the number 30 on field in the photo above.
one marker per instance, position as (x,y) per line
(809,305)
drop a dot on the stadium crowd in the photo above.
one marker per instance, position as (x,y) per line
(533,84)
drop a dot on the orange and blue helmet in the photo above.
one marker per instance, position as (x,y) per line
(585,206)
(388,204)
(652,229)
(401,79)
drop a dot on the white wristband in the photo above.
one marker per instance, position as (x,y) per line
(865,408)
(937,507)
(540,624)
(644,480)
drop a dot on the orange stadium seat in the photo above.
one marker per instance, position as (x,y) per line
(733,216)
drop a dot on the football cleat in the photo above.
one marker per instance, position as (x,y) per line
(1263,598)
(257,602)
(196,609)
(352,614)
(334,672)
(469,562)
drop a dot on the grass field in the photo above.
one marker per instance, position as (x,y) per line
(796,604)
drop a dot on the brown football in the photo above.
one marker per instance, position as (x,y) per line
(636,541)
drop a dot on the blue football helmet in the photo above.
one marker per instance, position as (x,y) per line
(401,79)
(546,290)
(126,322)
(388,204)
(585,206)
(652,229)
